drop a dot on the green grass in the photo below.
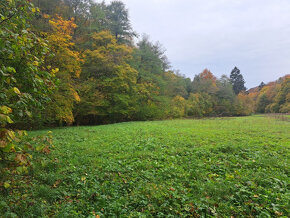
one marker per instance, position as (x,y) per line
(209,167)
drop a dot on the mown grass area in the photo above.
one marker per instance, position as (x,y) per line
(209,167)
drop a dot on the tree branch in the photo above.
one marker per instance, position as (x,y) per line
(8,18)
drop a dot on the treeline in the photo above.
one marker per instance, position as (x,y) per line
(67,62)
(273,97)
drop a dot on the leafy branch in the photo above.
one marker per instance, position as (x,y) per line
(8,18)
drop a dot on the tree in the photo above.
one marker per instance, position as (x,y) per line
(106,65)
(263,102)
(25,81)
(204,82)
(50,7)
(237,81)
(176,84)
(262,84)
(98,21)
(22,61)
(119,23)
(244,105)
(283,96)
(225,88)
(199,105)
(225,97)
(68,64)
(154,93)
(178,107)
(150,59)
(78,8)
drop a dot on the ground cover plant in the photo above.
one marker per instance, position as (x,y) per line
(205,167)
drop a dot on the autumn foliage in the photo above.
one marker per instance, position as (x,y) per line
(272,97)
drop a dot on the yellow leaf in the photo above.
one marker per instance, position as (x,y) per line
(5,110)
(5,119)
(16,90)
(75,95)
(33,10)
(11,134)
(54,71)
(6,185)
(8,80)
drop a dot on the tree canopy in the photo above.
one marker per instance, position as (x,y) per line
(237,80)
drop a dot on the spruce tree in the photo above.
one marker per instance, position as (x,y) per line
(237,81)
(261,85)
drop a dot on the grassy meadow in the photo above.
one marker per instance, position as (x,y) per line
(225,167)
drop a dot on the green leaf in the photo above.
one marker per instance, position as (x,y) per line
(5,119)
(28,113)
(22,169)
(8,148)
(8,119)
(11,70)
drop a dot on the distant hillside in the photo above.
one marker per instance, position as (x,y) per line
(273,97)
(280,80)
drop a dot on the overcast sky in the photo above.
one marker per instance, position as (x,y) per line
(253,35)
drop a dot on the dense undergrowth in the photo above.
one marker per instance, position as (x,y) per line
(222,167)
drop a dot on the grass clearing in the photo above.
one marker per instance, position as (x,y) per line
(208,167)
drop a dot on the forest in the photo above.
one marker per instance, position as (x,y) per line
(80,62)
(66,62)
